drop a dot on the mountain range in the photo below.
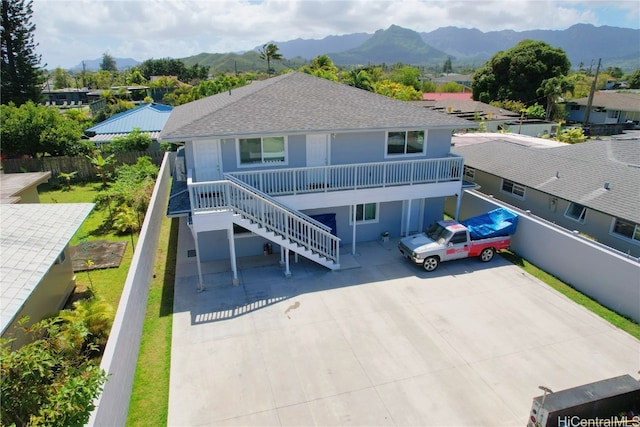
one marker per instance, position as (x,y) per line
(584,44)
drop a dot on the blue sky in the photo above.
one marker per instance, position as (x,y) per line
(69,31)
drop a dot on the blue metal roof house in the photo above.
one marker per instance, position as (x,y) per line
(149,118)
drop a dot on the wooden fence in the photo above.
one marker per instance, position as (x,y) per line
(86,171)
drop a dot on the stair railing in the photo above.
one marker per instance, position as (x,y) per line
(265,211)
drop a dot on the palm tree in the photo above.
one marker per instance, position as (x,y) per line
(269,52)
(67,177)
(102,165)
(86,327)
(360,79)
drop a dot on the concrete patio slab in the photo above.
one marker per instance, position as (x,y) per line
(381,342)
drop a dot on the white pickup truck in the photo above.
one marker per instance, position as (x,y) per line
(479,236)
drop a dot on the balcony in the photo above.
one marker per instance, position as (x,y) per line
(323,179)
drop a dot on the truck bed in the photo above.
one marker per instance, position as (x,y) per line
(499,222)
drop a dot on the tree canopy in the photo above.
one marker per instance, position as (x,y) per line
(517,73)
(37,130)
(20,75)
(108,63)
(173,67)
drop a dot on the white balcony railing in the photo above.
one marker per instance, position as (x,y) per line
(280,182)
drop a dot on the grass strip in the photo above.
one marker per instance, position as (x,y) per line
(622,322)
(150,397)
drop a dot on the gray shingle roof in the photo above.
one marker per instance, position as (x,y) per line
(32,237)
(583,170)
(612,100)
(298,103)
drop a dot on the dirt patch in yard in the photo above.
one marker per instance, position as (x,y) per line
(97,254)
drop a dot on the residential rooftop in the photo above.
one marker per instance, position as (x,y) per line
(32,237)
(601,175)
(149,118)
(298,103)
(12,184)
(628,101)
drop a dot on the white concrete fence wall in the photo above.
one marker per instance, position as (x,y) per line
(121,353)
(604,274)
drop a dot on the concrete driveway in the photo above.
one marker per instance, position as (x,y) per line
(383,343)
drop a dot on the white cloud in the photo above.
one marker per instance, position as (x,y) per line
(69,31)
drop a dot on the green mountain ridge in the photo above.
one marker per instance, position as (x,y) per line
(395,44)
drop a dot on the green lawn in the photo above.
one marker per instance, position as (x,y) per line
(107,282)
(150,398)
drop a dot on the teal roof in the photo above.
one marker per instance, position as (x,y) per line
(148,118)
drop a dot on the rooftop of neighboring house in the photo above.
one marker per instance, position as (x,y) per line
(469,109)
(298,103)
(623,101)
(453,77)
(442,96)
(33,237)
(603,175)
(12,184)
(149,118)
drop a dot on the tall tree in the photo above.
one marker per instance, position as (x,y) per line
(269,52)
(108,63)
(20,75)
(517,73)
(553,89)
(447,68)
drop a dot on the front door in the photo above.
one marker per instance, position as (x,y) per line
(206,155)
(317,155)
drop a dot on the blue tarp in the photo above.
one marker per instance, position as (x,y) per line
(495,223)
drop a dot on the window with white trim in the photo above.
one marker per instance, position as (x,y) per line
(469,173)
(262,150)
(513,188)
(576,212)
(626,229)
(365,213)
(405,142)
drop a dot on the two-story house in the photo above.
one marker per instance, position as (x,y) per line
(301,164)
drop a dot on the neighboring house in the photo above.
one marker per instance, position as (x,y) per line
(36,275)
(301,164)
(21,187)
(607,108)
(461,79)
(442,96)
(149,118)
(65,97)
(495,119)
(592,187)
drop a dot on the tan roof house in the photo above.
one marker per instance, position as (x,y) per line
(21,187)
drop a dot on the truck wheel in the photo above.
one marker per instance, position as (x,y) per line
(430,263)
(487,255)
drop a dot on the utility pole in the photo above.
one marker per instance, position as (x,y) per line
(590,100)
